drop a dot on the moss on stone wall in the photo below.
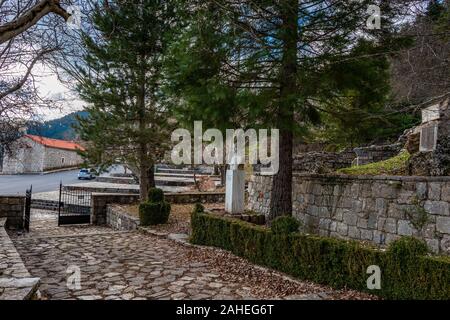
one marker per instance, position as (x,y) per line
(393,166)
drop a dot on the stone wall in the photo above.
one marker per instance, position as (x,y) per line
(12,208)
(100,202)
(323,162)
(194,197)
(53,159)
(376,153)
(16,282)
(117,219)
(375,209)
(27,156)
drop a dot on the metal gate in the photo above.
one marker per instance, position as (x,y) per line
(26,221)
(74,206)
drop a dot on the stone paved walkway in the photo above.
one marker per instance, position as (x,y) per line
(135,265)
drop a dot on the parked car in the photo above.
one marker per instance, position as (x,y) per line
(86,174)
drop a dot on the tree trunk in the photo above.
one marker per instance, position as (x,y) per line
(281,202)
(144,184)
(151,177)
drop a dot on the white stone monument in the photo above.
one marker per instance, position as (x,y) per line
(235,188)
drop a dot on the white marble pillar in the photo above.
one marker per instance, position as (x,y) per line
(234,191)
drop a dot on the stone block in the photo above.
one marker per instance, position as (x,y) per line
(445,245)
(391,237)
(333,226)
(366,234)
(390,225)
(357,206)
(342,229)
(362,223)
(404,228)
(312,210)
(437,207)
(396,211)
(372,221)
(429,231)
(421,190)
(379,237)
(445,192)
(350,218)
(354,232)
(324,224)
(406,197)
(381,206)
(434,191)
(433,245)
(443,224)
(380,223)
(324,212)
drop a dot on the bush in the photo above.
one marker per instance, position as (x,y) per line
(155,210)
(155,195)
(285,225)
(329,261)
(408,247)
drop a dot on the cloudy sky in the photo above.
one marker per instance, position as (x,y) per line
(50,86)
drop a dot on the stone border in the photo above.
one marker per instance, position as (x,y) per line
(118,219)
(346,177)
(375,209)
(12,208)
(16,282)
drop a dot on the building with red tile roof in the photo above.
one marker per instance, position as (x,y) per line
(36,154)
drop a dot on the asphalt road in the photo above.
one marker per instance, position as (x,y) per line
(17,184)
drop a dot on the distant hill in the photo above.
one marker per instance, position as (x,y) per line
(58,128)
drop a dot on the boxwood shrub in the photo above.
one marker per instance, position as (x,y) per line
(156,210)
(406,271)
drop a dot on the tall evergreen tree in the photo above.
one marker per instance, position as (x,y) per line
(285,60)
(128,121)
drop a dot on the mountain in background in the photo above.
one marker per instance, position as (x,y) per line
(58,128)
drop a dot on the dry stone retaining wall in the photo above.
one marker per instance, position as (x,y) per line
(375,209)
(12,208)
(16,282)
(117,219)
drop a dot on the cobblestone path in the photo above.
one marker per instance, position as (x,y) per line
(136,265)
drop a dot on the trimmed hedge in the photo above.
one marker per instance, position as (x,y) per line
(285,224)
(405,274)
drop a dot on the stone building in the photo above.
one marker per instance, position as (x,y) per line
(35,154)
(429,143)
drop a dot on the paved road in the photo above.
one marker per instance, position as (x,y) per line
(17,184)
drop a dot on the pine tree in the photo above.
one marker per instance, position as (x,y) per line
(128,120)
(285,60)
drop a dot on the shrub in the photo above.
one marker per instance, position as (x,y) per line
(285,225)
(155,195)
(330,261)
(155,210)
(408,247)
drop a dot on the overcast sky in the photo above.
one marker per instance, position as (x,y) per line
(50,86)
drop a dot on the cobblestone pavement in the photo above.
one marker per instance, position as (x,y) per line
(136,265)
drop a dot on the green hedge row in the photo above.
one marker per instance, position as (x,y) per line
(406,273)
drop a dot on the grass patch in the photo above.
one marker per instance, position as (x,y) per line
(393,166)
